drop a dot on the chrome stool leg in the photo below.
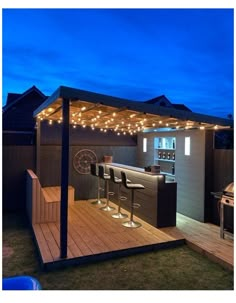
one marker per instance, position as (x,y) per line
(131,223)
(119,214)
(107,207)
(98,201)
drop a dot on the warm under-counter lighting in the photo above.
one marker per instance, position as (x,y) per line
(83,108)
(202,127)
(50,109)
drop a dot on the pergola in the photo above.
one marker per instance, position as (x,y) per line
(124,117)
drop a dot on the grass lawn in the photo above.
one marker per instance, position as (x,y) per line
(170,269)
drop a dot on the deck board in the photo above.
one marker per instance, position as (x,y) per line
(204,238)
(93,234)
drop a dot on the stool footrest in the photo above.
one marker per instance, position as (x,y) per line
(123,198)
(136,205)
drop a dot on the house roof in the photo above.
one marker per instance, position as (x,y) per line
(13,98)
(122,115)
(18,112)
(160,100)
(163,101)
(181,107)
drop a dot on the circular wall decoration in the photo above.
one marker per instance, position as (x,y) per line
(83,159)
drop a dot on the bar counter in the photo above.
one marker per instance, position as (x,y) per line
(158,199)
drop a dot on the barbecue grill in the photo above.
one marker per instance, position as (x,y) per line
(226,197)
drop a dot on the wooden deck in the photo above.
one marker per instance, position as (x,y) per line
(205,239)
(94,235)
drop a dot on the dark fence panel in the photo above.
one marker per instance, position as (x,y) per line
(84,184)
(223,174)
(15,161)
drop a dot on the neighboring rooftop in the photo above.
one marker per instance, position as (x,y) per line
(163,101)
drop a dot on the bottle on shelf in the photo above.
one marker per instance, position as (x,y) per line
(159,155)
(168,156)
(163,155)
(173,169)
(159,143)
(173,144)
(173,156)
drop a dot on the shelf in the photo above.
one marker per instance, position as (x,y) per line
(165,148)
(166,160)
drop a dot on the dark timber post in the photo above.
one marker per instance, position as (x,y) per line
(64,176)
(38,142)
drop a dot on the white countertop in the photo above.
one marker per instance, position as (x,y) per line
(133,168)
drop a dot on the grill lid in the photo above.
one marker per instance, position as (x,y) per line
(229,190)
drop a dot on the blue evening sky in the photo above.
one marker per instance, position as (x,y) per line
(138,54)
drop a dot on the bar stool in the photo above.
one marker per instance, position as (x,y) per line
(131,223)
(106,177)
(114,179)
(94,172)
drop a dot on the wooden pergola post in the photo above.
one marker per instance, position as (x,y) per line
(64,177)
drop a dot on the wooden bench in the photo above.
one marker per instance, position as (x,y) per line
(53,194)
(43,203)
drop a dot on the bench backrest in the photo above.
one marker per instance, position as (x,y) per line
(37,209)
